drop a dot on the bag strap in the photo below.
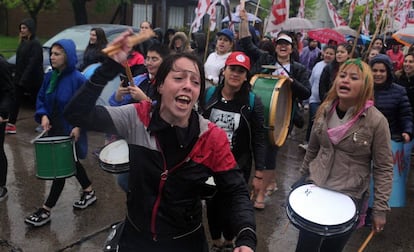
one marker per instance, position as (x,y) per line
(210,91)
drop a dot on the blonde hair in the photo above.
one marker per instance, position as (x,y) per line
(366,93)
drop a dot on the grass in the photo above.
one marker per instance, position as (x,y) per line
(8,45)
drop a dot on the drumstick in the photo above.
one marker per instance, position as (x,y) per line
(141,94)
(129,75)
(38,136)
(132,40)
(366,241)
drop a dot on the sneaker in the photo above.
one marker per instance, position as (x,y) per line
(10,128)
(87,199)
(3,193)
(38,218)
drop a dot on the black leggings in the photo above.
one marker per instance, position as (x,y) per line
(311,242)
(58,184)
(3,158)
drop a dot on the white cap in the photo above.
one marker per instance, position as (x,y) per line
(284,37)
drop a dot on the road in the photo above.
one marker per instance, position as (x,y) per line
(86,230)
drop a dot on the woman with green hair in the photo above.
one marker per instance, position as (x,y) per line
(349,139)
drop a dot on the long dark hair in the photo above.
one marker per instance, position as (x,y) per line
(166,67)
(101,40)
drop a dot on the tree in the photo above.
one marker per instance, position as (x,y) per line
(79,11)
(33,7)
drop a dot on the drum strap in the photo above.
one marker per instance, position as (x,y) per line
(210,91)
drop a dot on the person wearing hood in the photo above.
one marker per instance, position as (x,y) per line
(391,99)
(29,69)
(179,43)
(55,93)
(310,54)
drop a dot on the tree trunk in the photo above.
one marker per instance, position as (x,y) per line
(79,11)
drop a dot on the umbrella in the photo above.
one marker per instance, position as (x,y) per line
(405,36)
(324,35)
(362,40)
(291,24)
(236,18)
(346,30)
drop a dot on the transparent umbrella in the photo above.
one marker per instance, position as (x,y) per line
(346,30)
(236,18)
(292,24)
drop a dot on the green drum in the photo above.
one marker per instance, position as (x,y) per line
(276,96)
(54,157)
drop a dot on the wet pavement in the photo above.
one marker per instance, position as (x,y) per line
(86,230)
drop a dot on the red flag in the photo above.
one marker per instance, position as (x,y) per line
(280,11)
(212,13)
(336,19)
(200,11)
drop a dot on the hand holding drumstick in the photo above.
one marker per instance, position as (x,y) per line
(126,41)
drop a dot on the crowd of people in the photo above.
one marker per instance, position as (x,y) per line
(201,119)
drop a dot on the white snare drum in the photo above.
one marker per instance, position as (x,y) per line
(114,157)
(321,211)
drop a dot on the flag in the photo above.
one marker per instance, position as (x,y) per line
(400,13)
(352,6)
(212,13)
(336,19)
(280,11)
(301,11)
(203,8)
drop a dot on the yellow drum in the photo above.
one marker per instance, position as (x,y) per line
(276,96)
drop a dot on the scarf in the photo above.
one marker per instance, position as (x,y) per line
(53,81)
(337,133)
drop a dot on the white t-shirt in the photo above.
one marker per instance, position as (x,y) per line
(213,65)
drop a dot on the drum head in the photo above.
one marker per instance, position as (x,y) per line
(115,153)
(322,206)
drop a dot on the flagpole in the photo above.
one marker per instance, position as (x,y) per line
(257,10)
(207,43)
(378,25)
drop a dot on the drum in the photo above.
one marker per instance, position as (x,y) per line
(114,157)
(276,96)
(321,211)
(55,157)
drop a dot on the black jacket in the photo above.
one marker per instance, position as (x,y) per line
(249,137)
(301,88)
(168,166)
(6,89)
(29,65)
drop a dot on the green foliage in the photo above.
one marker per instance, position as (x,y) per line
(30,5)
(359,13)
